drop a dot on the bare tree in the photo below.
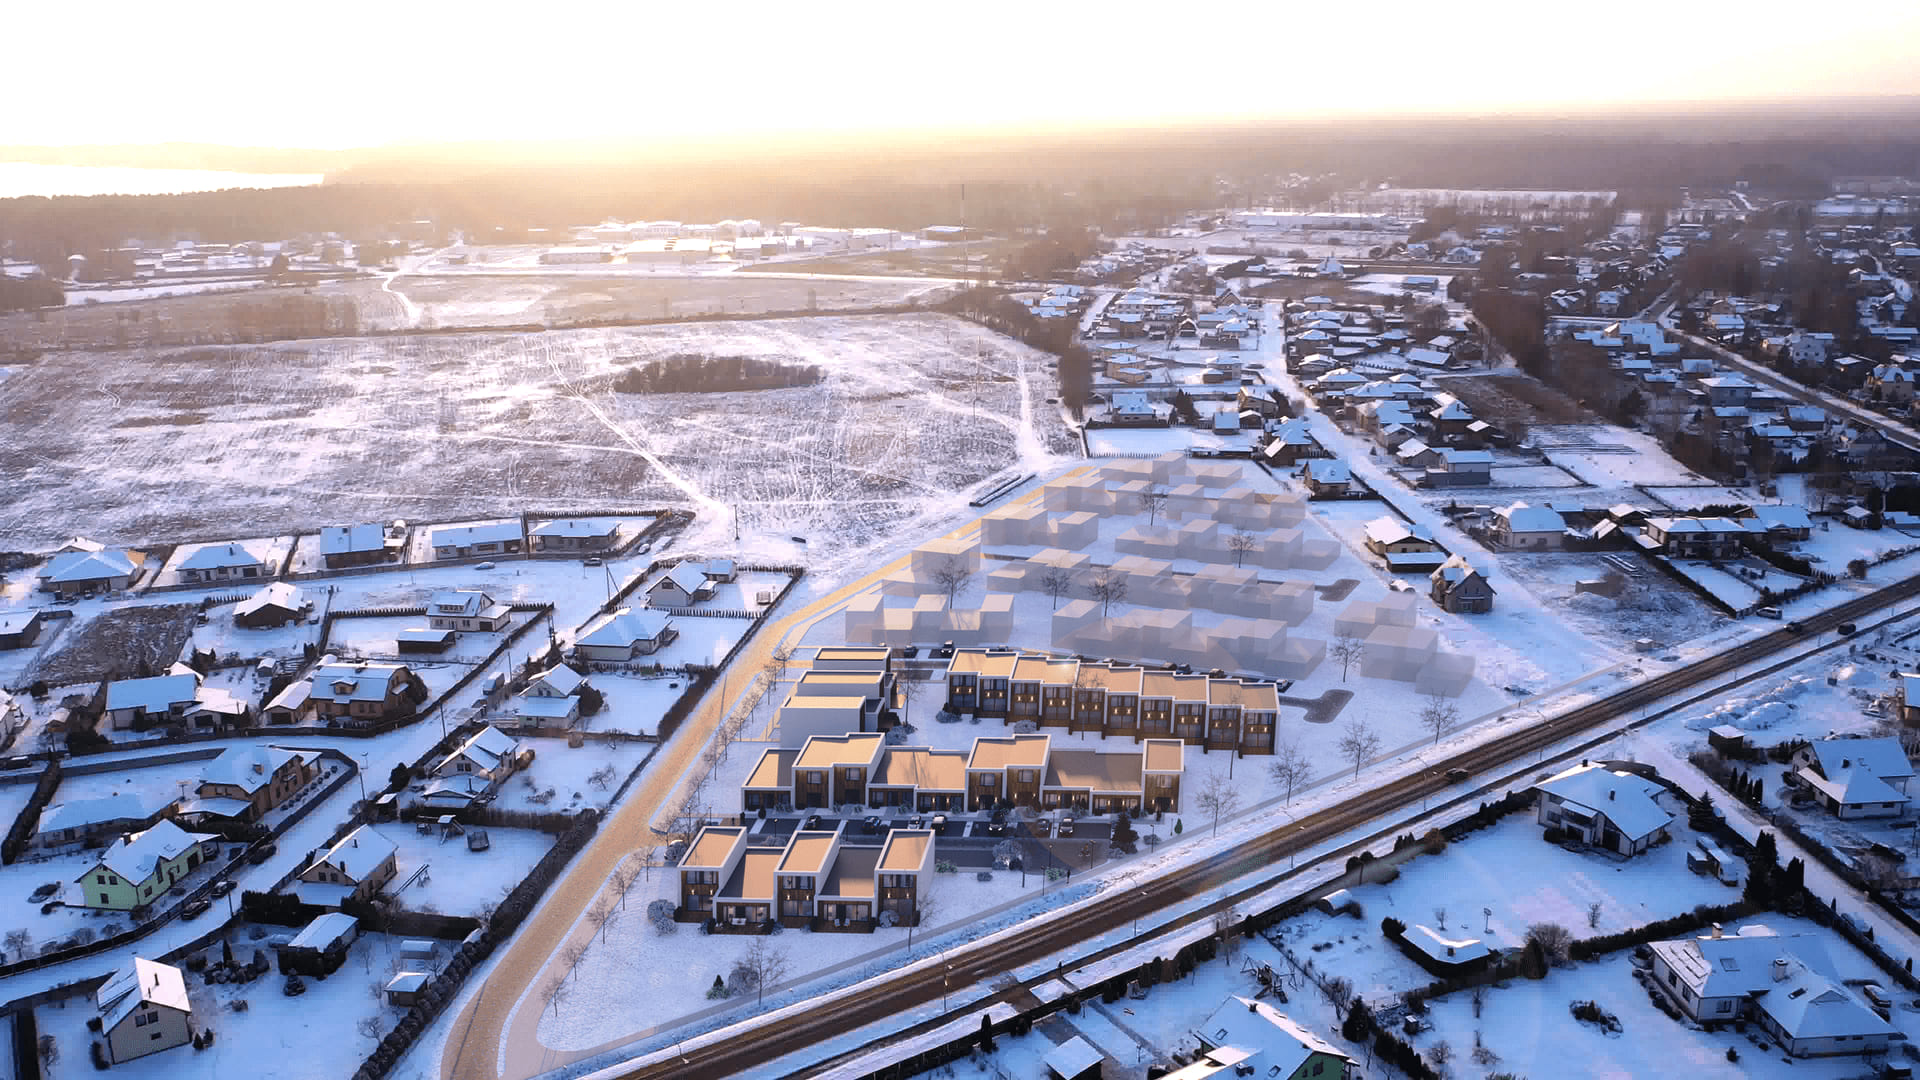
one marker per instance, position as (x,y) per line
(1440,918)
(604,915)
(1225,923)
(1593,915)
(764,965)
(1438,715)
(908,689)
(1555,941)
(776,663)
(1056,583)
(1109,588)
(1358,743)
(649,858)
(1440,1053)
(369,1027)
(570,956)
(1219,798)
(927,905)
(1347,650)
(1240,542)
(1152,501)
(953,577)
(1289,765)
(557,995)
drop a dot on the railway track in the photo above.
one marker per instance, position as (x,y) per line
(886,996)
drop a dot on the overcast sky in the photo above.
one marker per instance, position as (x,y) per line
(356,73)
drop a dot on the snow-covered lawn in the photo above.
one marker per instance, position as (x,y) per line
(458,881)
(19,880)
(1651,604)
(420,541)
(1737,584)
(375,638)
(1522,878)
(1152,442)
(1533,476)
(1834,545)
(1611,457)
(270,550)
(567,772)
(222,637)
(634,703)
(317,1034)
(703,640)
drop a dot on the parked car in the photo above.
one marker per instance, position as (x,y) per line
(44,891)
(483,566)
(997,825)
(1066,824)
(1846,629)
(872,824)
(1767,612)
(223,887)
(938,823)
(1877,994)
(916,822)
(1455,776)
(195,908)
(595,560)
(910,652)
(1040,827)
(812,822)
(945,651)
(262,853)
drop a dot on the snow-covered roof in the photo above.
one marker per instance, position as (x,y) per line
(490,746)
(1327,471)
(134,804)
(1443,949)
(157,693)
(561,679)
(1625,798)
(364,681)
(141,983)
(1073,1057)
(456,789)
(1272,1039)
(1454,571)
(13,622)
(1808,1005)
(279,594)
(136,856)
(469,535)
(359,852)
(1856,771)
(461,602)
(625,627)
(1387,529)
(1457,458)
(77,566)
(219,556)
(293,697)
(574,528)
(545,708)
(351,539)
(1782,517)
(1524,518)
(688,577)
(408,982)
(324,930)
(1739,964)
(248,768)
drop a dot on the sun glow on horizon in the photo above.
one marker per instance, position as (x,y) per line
(358,73)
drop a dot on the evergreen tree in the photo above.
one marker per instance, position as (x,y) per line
(1700,815)
(1359,1022)
(1124,837)
(986,1033)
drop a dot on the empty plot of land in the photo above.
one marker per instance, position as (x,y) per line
(478,299)
(911,412)
(1504,399)
(117,643)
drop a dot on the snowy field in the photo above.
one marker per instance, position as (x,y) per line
(1152,442)
(222,637)
(568,772)
(1396,285)
(1651,605)
(457,881)
(1612,457)
(318,1034)
(912,411)
(159,291)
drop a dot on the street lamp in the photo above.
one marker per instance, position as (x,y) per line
(946,975)
(361,775)
(1142,894)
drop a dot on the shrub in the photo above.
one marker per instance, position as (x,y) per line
(660,914)
(98,1052)
(1392,927)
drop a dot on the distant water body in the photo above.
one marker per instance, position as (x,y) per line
(17,179)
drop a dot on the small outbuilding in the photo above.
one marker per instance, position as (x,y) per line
(321,946)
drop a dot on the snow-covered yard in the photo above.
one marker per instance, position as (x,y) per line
(376,638)
(457,881)
(221,636)
(1737,584)
(325,1032)
(568,773)
(1152,442)
(634,703)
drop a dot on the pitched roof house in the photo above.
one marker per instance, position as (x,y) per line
(466,609)
(1856,778)
(685,585)
(1460,588)
(1244,1037)
(73,573)
(1785,983)
(273,605)
(356,867)
(143,1010)
(139,868)
(1534,528)
(221,562)
(625,634)
(1616,810)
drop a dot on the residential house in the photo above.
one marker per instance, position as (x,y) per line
(557,681)
(360,545)
(1326,478)
(1289,442)
(1804,349)
(1784,984)
(833,770)
(1458,587)
(1460,468)
(475,769)
(361,692)
(834,703)
(573,534)
(466,609)
(79,821)
(157,699)
(1856,778)
(137,869)
(143,1010)
(813,880)
(221,562)
(19,629)
(711,859)
(1890,383)
(292,705)
(1617,810)
(1403,545)
(1693,538)
(624,635)
(320,947)
(273,605)
(1248,1038)
(356,867)
(1781,523)
(245,782)
(79,573)
(468,541)
(685,585)
(1529,528)
(720,571)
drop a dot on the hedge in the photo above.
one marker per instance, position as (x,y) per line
(1660,930)
(29,818)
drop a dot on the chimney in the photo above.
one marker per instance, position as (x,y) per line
(1609,794)
(1253,1006)
(1716,931)
(1780,969)
(259,768)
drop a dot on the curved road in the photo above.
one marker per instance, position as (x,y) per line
(474,1040)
